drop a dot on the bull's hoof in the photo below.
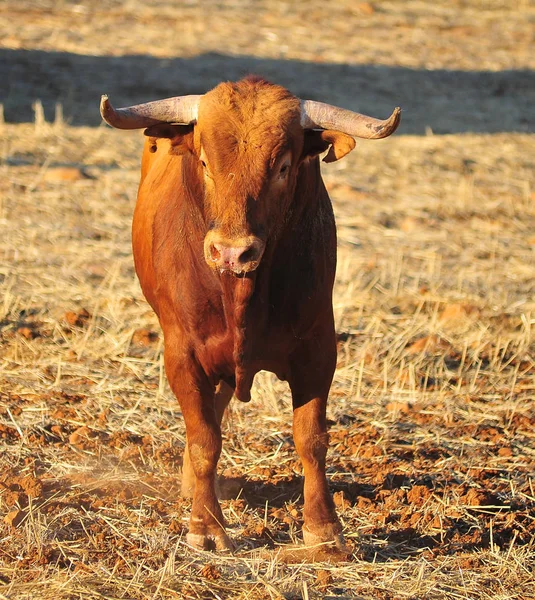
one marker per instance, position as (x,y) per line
(328,536)
(220,542)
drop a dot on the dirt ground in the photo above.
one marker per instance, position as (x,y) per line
(432,415)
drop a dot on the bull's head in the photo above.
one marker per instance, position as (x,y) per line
(249,139)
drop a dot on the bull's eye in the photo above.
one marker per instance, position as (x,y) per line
(205,169)
(284,170)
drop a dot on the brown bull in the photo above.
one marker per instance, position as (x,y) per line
(235,248)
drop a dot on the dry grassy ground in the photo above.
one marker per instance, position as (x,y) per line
(432,408)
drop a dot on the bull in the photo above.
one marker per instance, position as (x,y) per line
(234,244)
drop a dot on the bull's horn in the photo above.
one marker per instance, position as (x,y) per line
(317,115)
(181,109)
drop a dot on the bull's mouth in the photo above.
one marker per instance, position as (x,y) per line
(238,271)
(236,274)
(238,256)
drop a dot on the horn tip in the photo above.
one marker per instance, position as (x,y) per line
(105,107)
(395,119)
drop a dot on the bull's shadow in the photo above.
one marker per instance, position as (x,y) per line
(383,545)
(256,493)
(441,100)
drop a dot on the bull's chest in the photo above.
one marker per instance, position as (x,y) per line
(243,338)
(235,340)
(239,326)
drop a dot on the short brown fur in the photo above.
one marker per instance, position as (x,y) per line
(246,171)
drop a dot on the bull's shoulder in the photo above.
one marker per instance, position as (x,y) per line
(163,219)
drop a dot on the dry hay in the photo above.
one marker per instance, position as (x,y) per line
(431,412)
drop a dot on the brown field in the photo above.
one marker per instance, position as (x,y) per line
(432,411)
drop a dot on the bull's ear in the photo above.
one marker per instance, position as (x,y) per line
(317,141)
(181,137)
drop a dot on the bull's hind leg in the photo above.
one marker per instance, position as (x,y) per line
(311,375)
(223,396)
(197,400)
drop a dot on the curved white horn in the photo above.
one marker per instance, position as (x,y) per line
(317,115)
(181,109)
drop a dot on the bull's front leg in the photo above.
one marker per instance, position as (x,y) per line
(223,396)
(312,370)
(197,401)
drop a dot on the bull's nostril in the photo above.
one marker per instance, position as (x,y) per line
(248,255)
(215,254)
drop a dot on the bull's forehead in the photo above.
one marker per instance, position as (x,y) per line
(250,121)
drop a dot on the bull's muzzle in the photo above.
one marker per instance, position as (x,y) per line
(239,255)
